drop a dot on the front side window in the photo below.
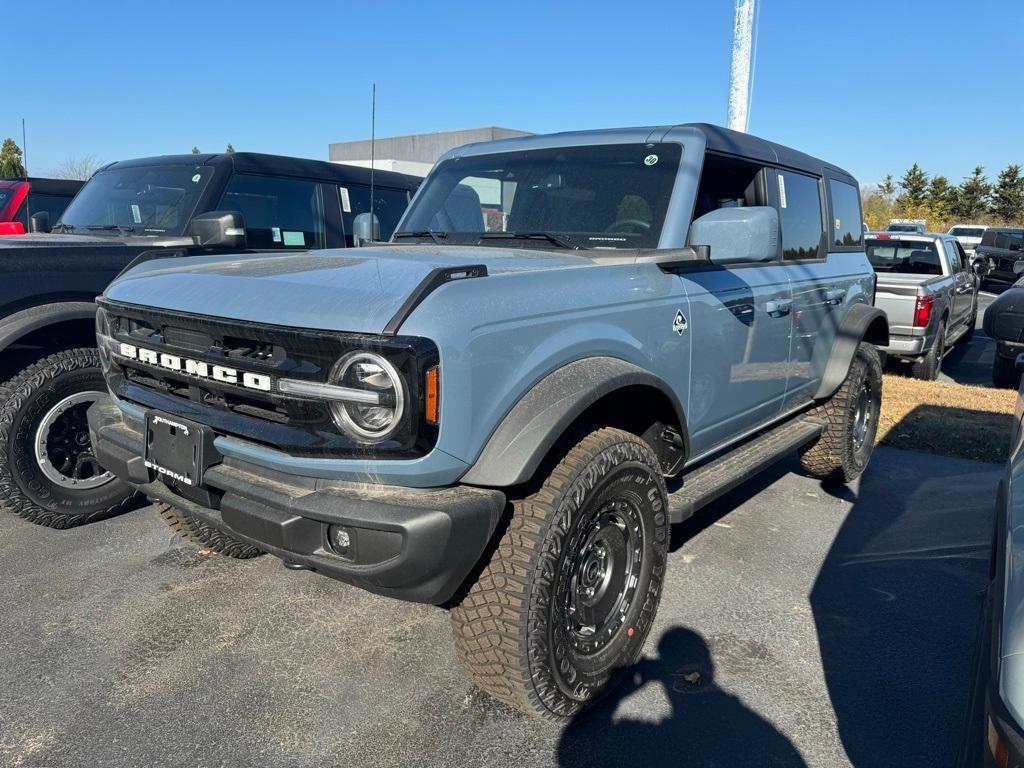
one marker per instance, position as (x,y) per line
(847,224)
(278,213)
(147,200)
(608,196)
(954,257)
(799,215)
(907,257)
(388,207)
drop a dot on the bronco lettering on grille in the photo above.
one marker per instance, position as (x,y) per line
(197,368)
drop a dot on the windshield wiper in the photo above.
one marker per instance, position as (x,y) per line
(110,227)
(437,237)
(560,242)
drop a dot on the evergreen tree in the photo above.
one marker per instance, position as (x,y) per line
(941,196)
(11,166)
(888,187)
(973,196)
(230,148)
(915,187)
(1008,195)
(195,150)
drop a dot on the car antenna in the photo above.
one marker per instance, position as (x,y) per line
(373,131)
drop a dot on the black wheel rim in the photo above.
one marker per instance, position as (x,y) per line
(599,575)
(63,448)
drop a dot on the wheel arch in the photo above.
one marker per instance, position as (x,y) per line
(861,322)
(57,318)
(603,391)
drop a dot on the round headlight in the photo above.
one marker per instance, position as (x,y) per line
(372,373)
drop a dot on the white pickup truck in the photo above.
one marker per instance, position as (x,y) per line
(929,290)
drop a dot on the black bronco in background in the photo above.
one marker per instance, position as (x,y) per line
(175,205)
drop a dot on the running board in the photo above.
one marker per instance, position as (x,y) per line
(706,483)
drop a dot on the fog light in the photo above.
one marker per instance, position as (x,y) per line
(340,539)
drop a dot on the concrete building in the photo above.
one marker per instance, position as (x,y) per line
(412,154)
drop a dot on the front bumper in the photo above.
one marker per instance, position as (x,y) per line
(409,543)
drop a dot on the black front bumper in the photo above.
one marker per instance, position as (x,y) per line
(408,543)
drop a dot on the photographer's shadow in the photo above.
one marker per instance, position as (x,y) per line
(707,725)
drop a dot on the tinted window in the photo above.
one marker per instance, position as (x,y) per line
(388,207)
(847,224)
(607,196)
(904,256)
(967,231)
(52,204)
(800,215)
(954,257)
(279,213)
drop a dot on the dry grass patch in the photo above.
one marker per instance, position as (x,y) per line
(950,419)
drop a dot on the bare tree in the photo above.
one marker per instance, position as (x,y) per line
(77,168)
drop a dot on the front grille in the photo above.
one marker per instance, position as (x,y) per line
(294,424)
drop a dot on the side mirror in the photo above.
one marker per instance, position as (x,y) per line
(746,234)
(980,267)
(219,229)
(365,229)
(39,222)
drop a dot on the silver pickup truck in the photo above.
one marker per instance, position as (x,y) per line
(929,291)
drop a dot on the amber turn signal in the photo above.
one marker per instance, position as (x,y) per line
(433,395)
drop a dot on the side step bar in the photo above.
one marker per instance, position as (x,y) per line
(706,483)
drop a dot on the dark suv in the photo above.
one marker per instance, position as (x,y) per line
(131,211)
(21,199)
(1001,248)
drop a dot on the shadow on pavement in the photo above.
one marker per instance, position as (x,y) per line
(708,726)
(897,604)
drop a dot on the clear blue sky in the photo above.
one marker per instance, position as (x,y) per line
(870,85)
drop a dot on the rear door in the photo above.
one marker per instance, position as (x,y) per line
(823,250)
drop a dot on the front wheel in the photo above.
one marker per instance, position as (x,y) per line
(48,472)
(850,416)
(569,595)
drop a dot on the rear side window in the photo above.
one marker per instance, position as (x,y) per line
(847,226)
(388,207)
(278,213)
(954,256)
(907,257)
(800,215)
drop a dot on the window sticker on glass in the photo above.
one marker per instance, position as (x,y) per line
(782,191)
(346,204)
(839,225)
(136,213)
(294,238)
(275,234)
(651,160)
(196,178)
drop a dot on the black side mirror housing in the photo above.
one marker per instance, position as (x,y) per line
(980,267)
(365,229)
(39,222)
(219,229)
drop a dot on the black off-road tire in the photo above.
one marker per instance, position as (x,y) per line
(24,402)
(928,368)
(192,529)
(838,454)
(513,630)
(1004,372)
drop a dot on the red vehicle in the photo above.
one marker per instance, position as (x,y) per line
(21,199)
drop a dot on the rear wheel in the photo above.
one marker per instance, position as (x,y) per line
(48,472)
(568,597)
(930,366)
(851,421)
(191,528)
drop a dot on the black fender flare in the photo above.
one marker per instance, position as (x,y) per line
(861,322)
(534,424)
(22,322)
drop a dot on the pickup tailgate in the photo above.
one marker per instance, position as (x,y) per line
(896,295)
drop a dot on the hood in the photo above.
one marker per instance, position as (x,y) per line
(357,289)
(49,240)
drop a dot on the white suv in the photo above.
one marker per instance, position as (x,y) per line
(969,236)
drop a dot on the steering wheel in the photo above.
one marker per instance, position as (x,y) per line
(628,225)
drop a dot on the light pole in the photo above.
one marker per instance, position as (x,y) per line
(742,65)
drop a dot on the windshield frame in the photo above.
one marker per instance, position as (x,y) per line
(451,173)
(186,206)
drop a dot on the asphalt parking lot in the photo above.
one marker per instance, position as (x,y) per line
(824,630)
(801,625)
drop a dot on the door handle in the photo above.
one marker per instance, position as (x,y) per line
(835,295)
(778,308)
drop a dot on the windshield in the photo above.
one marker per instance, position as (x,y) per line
(967,231)
(904,256)
(610,196)
(146,200)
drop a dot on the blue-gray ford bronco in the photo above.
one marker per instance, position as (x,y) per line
(570,343)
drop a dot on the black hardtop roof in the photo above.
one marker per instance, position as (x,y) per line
(280,165)
(49,186)
(731,142)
